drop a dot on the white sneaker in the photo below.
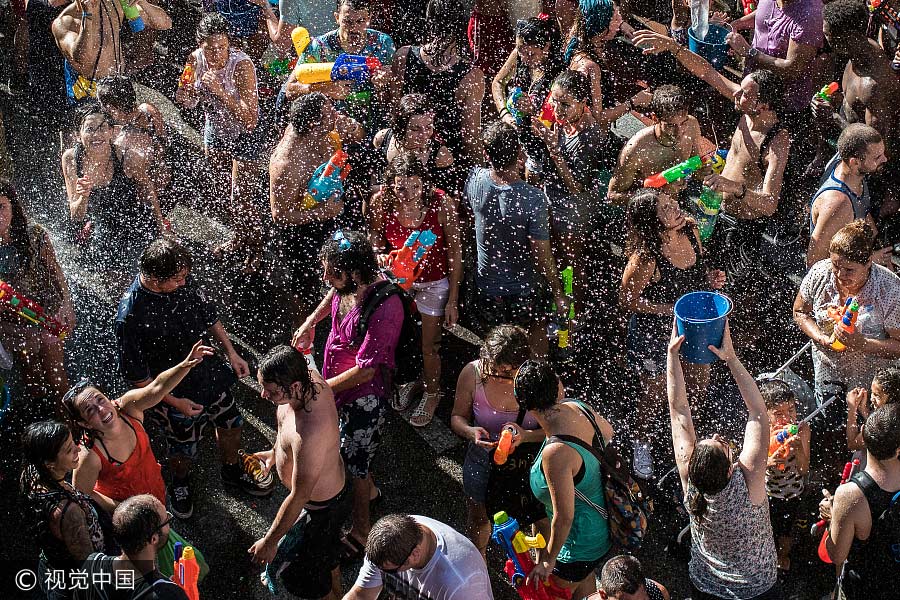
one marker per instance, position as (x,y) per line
(642,461)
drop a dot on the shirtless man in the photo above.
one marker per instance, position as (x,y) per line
(307,457)
(87,33)
(674,137)
(754,172)
(308,142)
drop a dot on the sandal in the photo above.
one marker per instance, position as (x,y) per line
(404,396)
(421,416)
(352,549)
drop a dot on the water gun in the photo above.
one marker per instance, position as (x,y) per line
(328,181)
(827,91)
(822,525)
(714,160)
(749,6)
(187,571)
(187,76)
(568,279)
(887,12)
(548,115)
(512,105)
(30,310)
(519,563)
(133,15)
(405,264)
(504,446)
(300,38)
(778,441)
(844,319)
(347,67)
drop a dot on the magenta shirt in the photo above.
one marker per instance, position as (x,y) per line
(801,21)
(377,347)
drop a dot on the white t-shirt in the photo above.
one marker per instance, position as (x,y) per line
(455,572)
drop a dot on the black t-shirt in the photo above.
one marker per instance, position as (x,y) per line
(157,331)
(105,583)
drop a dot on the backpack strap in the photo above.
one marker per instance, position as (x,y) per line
(383,291)
(154,579)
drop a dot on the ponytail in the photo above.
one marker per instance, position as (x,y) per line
(697,504)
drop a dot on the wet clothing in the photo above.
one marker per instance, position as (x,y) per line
(785,484)
(34,279)
(439,177)
(486,416)
(184,434)
(122,477)
(360,422)
(861,204)
(588,539)
(440,88)
(434,264)
(456,571)
(733,552)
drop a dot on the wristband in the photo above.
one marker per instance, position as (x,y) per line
(503,111)
(86,15)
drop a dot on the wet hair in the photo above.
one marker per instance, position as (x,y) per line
(775,392)
(577,84)
(135,521)
(18,226)
(853,242)
(771,88)
(411,105)
(285,366)
(352,4)
(708,474)
(356,257)
(501,144)
(536,385)
(405,164)
(41,443)
(882,432)
(888,379)
(504,345)
(855,140)
(164,258)
(212,24)
(846,16)
(74,419)
(539,31)
(306,111)
(89,109)
(622,575)
(392,539)
(117,91)
(668,101)
(446,24)
(644,227)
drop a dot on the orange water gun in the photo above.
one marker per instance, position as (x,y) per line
(30,310)
(504,446)
(827,91)
(822,525)
(187,571)
(778,442)
(405,265)
(187,76)
(328,181)
(845,320)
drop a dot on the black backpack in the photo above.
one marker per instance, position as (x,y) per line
(408,354)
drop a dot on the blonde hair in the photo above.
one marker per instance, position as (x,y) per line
(853,242)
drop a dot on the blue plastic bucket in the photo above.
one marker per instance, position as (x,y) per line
(714,48)
(700,318)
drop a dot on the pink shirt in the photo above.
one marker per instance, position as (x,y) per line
(376,349)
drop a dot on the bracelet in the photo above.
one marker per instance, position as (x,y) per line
(503,111)
(86,15)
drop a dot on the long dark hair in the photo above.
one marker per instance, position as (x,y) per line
(644,227)
(406,164)
(72,414)
(708,474)
(445,29)
(41,444)
(538,31)
(18,225)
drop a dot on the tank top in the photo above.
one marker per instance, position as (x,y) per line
(440,89)
(224,123)
(43,502)
(32,276)
(486,416)
(673,282)
(139,474)
(785,484)
(733,552)
(588,539)
(434,264)
(861,204)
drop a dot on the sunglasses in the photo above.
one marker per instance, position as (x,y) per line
(396,569)
(343,243)
(76,389)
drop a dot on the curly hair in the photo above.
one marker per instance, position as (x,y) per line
(351,253)
(504,345)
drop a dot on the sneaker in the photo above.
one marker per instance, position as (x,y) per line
(181,499)
(642,462)
(248,475)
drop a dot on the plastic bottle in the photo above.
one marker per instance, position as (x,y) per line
(504,446)
(189,573)
(133,15)
(700,18)
(709,204)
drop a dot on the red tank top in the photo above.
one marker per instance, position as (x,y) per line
(435,265)
(139,474)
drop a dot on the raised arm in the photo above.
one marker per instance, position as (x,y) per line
(77,30)
(137,400)
(154,16)
(684,438)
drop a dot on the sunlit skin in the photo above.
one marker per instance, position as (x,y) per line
(612,30)
(98,413)
(169,285)
(668,130)
(66,460)
(566,108)
(746,97)
(669,213)
(95,132)
(783,414)
(274,393)
(851,276)
(352,25)
(532,56)
(418,132)
(215,50)
(873,159)
(879,398)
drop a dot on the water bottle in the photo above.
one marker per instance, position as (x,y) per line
(708,206)
(700,18)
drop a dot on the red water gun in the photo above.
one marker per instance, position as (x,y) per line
(30,310)
(519,563)
(749,6)
(822,525)
(405,265)
(187,76)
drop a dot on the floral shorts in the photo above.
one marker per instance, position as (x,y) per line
(361,422)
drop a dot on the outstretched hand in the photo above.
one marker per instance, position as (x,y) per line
(652,42)
(725,352)
(675,340)
(197,354)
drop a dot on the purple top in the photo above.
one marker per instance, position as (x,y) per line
(493,420)
(377,347)
(799,20)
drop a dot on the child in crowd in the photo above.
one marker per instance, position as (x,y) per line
(787,466)
(885,390)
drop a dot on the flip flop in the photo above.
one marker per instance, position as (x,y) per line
(351,549)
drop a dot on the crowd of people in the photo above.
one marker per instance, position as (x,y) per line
(544,177)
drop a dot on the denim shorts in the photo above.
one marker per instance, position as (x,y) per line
(476,472)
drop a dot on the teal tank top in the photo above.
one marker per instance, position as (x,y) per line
(588,538)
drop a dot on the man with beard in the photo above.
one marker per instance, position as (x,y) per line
(356,366)
(844,194)
(307,457)
(141,527)
(674,137)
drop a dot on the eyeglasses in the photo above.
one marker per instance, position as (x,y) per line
(76,389)
(343,243)
(169,517)
(396,569)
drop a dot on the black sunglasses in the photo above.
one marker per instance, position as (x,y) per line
(76,389)
(396,569)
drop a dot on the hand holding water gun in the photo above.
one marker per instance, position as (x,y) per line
(187,571)
(504,446)
(30,310)
(405,264)
(513,103)
(825,512)
(133,15)
(188,76)
(714,160)
(328,181)
(749,6)
(519,563)
(844,321)
(827,91)
(780,443)
(347,67)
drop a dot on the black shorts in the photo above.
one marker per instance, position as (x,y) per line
(293,258)
(783,514)
(576,571)
(183,434)
(524,310)
(311,549)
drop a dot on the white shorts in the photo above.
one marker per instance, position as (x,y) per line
(431,296)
